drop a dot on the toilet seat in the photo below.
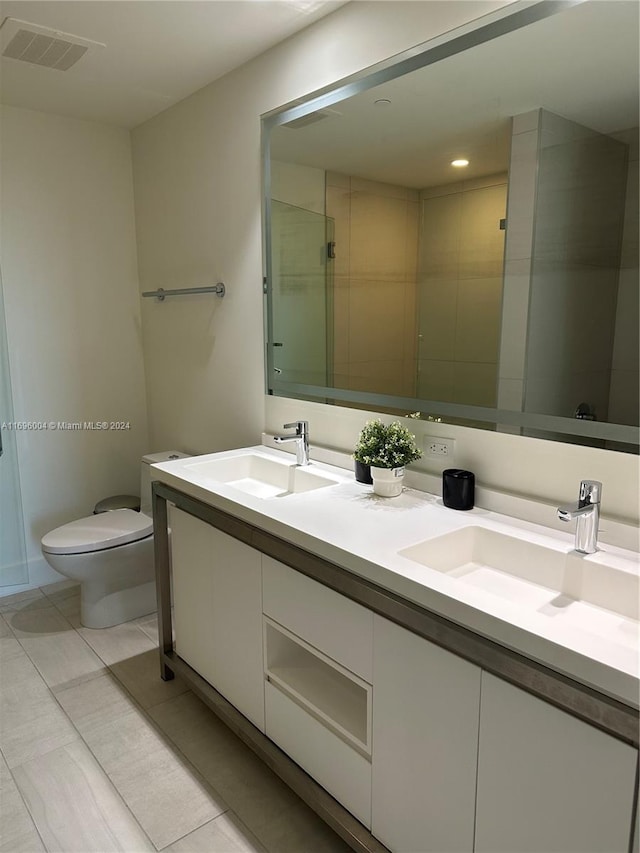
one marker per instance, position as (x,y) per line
(98,532)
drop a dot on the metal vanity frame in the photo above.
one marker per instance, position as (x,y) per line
(611,716)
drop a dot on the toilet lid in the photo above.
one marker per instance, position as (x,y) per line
(98,532)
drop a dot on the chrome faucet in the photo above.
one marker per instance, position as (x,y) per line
(587,515)
(301,438)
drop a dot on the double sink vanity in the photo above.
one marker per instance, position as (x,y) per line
(427,680)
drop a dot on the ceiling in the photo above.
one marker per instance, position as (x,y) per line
(157,51)
(581,64)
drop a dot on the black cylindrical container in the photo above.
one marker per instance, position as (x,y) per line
(363,472)
(458,488)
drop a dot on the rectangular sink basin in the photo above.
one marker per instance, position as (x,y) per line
(596,592)
(260,476)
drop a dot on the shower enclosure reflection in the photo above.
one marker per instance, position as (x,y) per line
(511,285)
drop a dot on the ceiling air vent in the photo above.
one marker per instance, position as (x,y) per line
(310,118)
(42,45)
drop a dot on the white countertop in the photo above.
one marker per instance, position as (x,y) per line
(347,524)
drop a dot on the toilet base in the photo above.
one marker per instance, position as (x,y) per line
(104,608)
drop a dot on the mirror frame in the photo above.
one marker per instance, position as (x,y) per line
(506,20)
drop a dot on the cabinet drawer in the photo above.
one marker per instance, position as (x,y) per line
(339,627)
(331,762)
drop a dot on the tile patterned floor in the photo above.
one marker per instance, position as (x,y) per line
(98,754)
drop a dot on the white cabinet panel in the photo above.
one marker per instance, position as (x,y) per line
(192,567)
(237,625)
(337,626)
(217,591)
(547,782)
(425,741)
(334,764)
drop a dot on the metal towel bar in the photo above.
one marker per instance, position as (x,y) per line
(160,294)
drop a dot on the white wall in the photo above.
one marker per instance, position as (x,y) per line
(197,177)
(73,316)
(197,186)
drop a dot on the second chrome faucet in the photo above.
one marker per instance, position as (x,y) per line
(587,514)
(301,437)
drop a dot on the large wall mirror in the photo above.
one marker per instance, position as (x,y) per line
(501,293)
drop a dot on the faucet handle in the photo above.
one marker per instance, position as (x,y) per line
(301,427)
(590,492)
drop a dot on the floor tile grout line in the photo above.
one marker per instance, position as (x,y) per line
(26,805)
(109,779)
(185,761)
(80,736)
(89,676)
(83,740)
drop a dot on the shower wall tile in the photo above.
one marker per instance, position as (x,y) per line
(410,334)
(525,122)
(341,320)
(515,311)
(478,319)
(341,374)
(475,384)
(378,236)
(378,188)
(481,240)
(499,179)
(510,394)
(412,227)
(440,237)
(339,209)
(435,380)
(625,350)
(629,254)
(337,179)
(382,376)
(376,311)
(376,232)
(522,193)
(438,305)
(624,398)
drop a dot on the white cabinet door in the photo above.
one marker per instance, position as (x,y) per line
(217,593)
(237,625)
(548,782)
(192,572)
(425,743)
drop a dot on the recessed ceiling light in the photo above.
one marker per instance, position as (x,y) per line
(382,102)
(459,163)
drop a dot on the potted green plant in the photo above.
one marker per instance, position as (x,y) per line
(386,448)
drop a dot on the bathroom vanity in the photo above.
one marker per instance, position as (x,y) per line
(426,680)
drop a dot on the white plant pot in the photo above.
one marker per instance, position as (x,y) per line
(387,482)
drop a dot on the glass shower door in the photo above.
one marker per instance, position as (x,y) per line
(13,557)
(300,295)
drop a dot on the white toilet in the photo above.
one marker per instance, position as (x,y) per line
(111,555)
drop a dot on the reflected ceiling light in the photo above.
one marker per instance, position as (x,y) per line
(459,163)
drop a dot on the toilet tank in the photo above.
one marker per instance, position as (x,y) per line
(145,475)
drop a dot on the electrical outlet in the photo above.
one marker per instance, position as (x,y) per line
(438,448)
